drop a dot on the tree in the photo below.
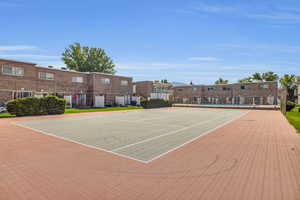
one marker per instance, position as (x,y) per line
(290,83)
(257,77)
(221,81)
(270,76)
(246,80)
(87,59)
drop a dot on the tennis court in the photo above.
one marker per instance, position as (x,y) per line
(142,135)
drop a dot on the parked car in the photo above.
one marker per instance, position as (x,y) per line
(2,109)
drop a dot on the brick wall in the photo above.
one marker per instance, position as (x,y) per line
(110,91)
(62,83)
(143,88)
(248,93)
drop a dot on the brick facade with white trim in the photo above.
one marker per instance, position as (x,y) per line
(30,83)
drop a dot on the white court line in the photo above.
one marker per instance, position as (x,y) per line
(124,156)
(166,134)
(203,134)
(72,141)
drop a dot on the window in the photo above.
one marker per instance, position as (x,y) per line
(226,89)
(264,86)
(105,81)
(15,71)
(243,87)
(46,76)
(194,89)
(77,79)
(124,82)
(179,89)
(210,89)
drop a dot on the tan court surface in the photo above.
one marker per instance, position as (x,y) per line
(254,157)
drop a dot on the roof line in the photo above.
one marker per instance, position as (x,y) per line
(227,84)
(10,60)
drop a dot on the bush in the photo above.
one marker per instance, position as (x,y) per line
(296,108)
(35,106)
(290,105)
(53,105)
(155,103)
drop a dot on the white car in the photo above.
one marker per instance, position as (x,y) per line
(2,109)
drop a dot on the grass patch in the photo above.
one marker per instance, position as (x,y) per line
(6,115)
(79,110)
(294,118)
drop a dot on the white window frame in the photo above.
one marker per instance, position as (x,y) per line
(264,86)
(124,83)
(15,70)
(105,81)
(47,77)
(77,79)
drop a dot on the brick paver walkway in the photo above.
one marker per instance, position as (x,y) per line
(254,158)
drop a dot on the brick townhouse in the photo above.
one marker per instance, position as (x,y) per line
(153,90)
(261,93)
(23,79)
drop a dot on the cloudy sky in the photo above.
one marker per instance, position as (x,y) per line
(190,40)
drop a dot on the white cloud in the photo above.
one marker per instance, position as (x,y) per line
(277,16)
(203,59)
(17,47)
(215,8)
(265,47)
(283,15)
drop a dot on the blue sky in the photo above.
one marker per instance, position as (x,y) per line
(191,40)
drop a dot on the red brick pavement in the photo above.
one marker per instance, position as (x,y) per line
(254,158)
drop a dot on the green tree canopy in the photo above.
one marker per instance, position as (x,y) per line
(246,80)
(290,83)
(87,59)
(269,76)
(257,77)
(221,81)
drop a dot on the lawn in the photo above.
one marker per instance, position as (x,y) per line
(77,110)
(294,118)
(6,115)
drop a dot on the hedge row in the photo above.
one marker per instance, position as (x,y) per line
(36,106)
(155,103)
(290,105)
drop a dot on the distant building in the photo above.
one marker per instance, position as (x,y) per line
(260,93)
(24,79)
(153,89)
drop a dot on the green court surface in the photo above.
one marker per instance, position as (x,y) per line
(142,135)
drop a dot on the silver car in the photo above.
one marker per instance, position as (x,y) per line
(2,109)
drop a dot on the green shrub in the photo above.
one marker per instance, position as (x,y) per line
(54,105)
(290,105)
(11,106)
(35,106)
(155,103)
